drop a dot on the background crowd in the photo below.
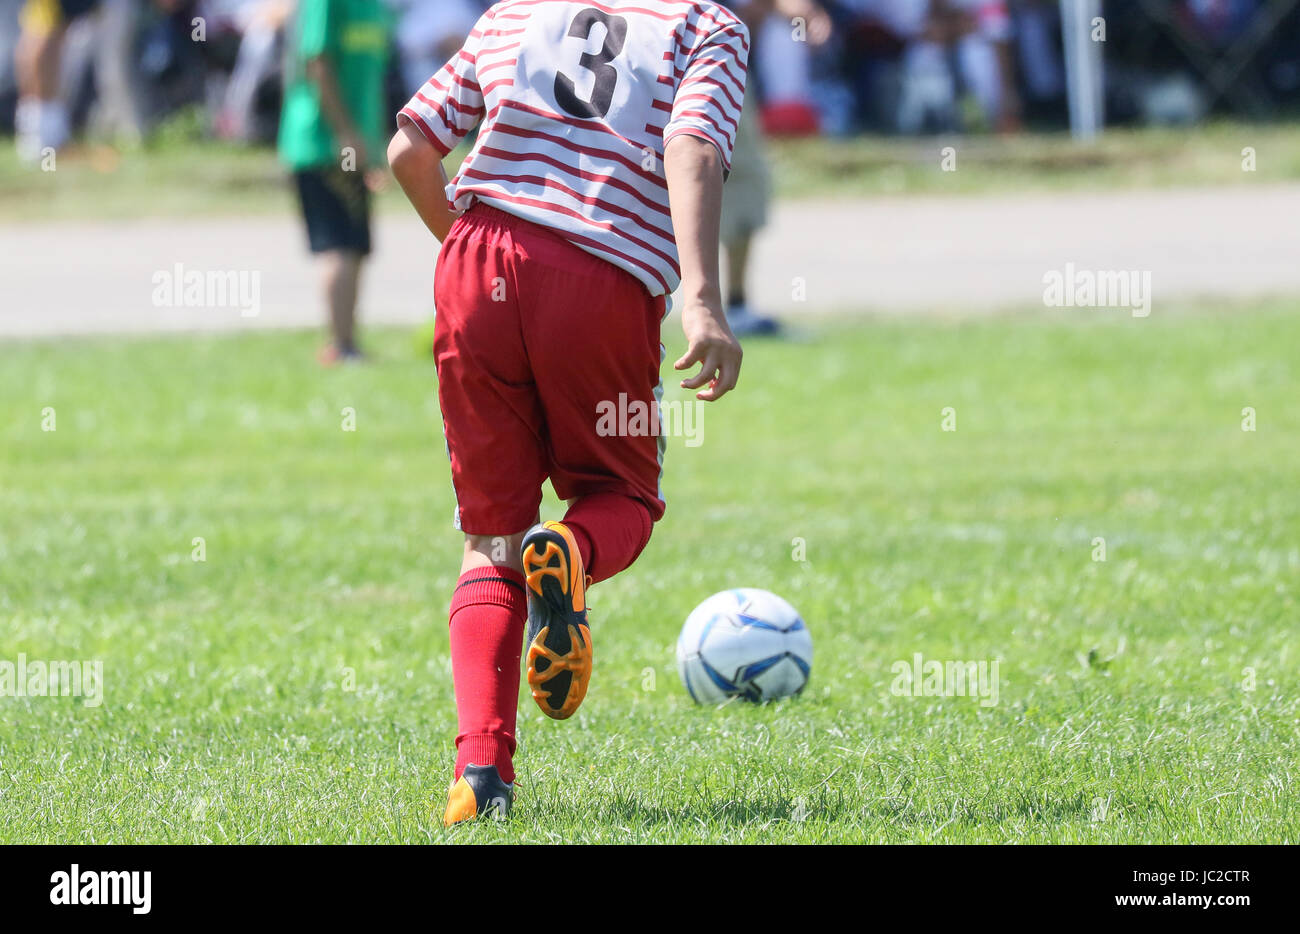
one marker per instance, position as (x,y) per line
(117,68)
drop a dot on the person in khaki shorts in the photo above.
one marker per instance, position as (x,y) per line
(745,197)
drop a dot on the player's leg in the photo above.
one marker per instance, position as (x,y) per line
(486,630)
(336,209)
(116,76)
(493,425)
(611,530)
(601,534)
(558,637)
(340,272)
(588,358)
(41,120)
(737,250)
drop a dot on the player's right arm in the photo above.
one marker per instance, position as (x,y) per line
(446,108)
(417,166)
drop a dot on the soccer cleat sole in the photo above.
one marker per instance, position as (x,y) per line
(559,656)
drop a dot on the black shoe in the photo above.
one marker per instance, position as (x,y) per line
(478,791)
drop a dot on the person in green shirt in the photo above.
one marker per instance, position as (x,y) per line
(332,138)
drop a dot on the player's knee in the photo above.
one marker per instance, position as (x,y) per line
(648,519)
(501,550)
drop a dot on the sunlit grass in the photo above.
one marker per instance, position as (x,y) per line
(294,685)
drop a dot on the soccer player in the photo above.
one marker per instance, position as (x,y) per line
(331,128)
(593,188)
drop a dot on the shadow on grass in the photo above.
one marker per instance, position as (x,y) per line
(828,806)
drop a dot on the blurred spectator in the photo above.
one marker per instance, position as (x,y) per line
(952,45)
(1036,25)
(82,61)
(816,66)
(788,35)
(117,83)
(871,49)
(9,32)
(1218,22)
(332,134)
(429,32)
(170,57)
(41,119)
(256,27)
(909,62)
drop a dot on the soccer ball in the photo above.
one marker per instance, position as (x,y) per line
(744,643)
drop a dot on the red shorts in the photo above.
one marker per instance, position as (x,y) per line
(537,342)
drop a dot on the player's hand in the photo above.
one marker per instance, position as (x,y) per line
(710,343)
(376,180)
(356,157)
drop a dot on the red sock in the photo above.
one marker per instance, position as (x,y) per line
(611,530)
(488,611)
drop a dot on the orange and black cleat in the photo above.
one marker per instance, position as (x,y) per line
(478,791)
(559,640)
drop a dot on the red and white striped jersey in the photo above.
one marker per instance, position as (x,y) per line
(578,99)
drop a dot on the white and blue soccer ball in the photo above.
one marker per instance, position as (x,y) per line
(745,643)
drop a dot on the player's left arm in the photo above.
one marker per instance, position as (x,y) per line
(693,169)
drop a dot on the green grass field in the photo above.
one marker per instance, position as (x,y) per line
(1153,696)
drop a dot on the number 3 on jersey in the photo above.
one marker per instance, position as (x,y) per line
(605,74)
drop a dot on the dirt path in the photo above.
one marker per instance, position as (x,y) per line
(899,254)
